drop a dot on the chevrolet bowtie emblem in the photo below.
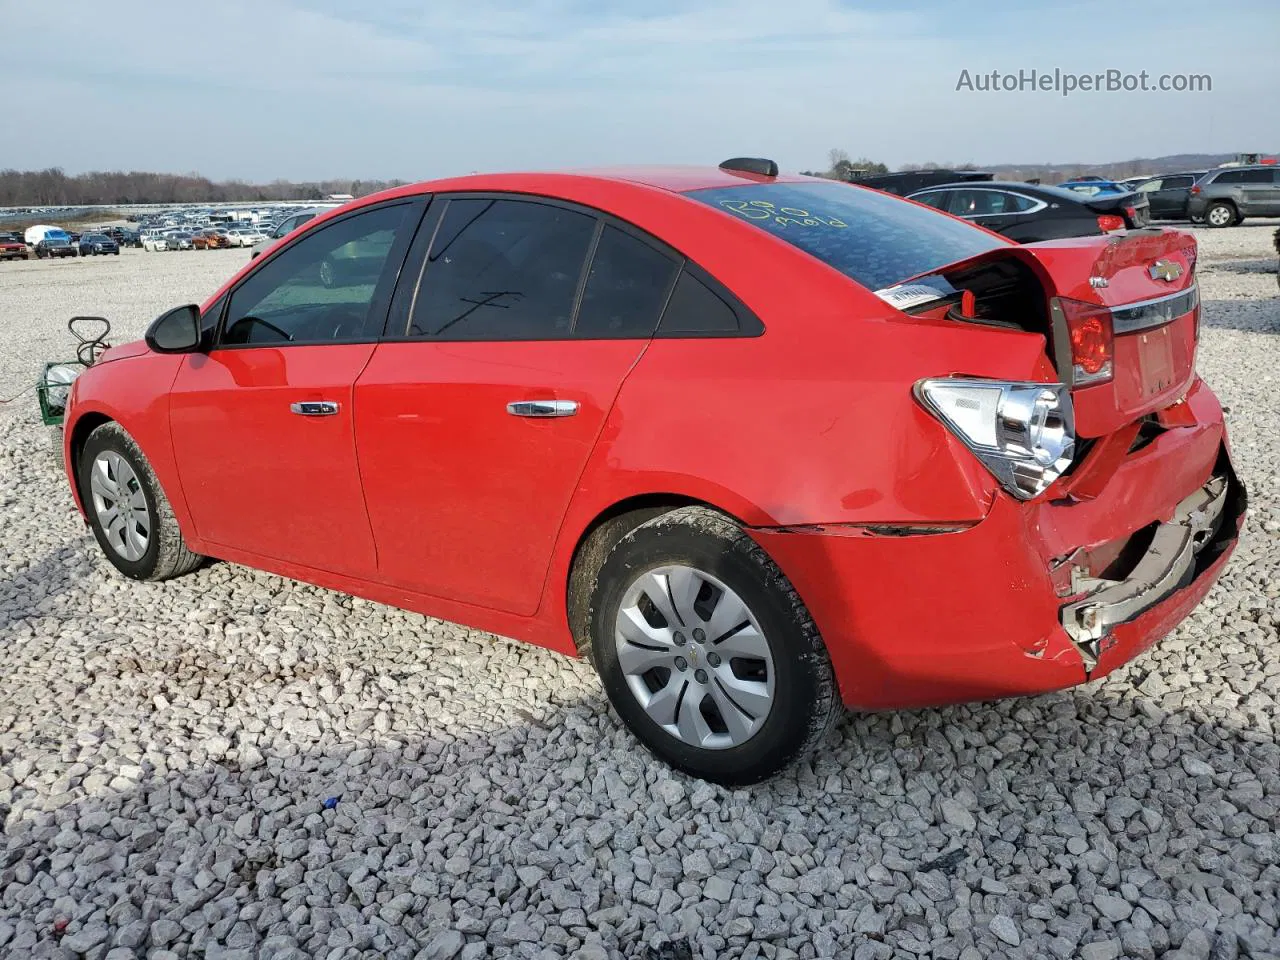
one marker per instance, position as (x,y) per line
(1166,270)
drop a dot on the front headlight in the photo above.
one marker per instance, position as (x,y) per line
(1024,433)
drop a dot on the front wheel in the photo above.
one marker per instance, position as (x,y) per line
(128,510)
(706,650)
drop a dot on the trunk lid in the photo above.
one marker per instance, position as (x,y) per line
(1134,207)
(1140,286)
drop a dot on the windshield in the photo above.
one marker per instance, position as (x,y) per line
(871,237)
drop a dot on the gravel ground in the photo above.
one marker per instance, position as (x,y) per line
(170,756)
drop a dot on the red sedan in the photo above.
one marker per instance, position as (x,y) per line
(760,446)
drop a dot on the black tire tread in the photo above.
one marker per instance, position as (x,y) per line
(828,706)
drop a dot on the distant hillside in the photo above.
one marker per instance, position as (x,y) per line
(1143,166)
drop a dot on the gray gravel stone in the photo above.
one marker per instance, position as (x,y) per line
(1006,930)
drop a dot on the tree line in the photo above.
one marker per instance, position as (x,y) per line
(55,188)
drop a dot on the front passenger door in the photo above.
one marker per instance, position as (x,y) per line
(262,423)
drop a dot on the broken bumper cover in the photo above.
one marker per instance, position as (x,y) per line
(976,613)
(1166,567)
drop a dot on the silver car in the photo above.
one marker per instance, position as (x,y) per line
(286,226)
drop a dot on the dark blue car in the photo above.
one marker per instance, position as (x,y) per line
(96,243)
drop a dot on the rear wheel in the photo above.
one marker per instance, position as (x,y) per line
(707,652)
(1220,215)
(127,509)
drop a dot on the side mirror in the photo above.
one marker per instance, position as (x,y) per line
(177,331)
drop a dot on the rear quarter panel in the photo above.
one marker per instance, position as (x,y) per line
(813,422)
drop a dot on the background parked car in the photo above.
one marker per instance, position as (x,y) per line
(245,236)
(285,226)
(154,242)
(1095,187)
(50,242)
(1168,194)
(907,182)
(12,247)
(1229,194)
(181,240)
(1029,213)
(93,244)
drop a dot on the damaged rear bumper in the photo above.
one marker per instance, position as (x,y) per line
(983,612)
(1165,567)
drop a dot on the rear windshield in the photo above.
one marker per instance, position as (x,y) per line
(874,238)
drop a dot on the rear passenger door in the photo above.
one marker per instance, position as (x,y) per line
(514,325)
(1257,188)
(1270,204)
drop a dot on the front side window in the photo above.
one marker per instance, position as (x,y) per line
(502,270)
(321,288)
(875,239)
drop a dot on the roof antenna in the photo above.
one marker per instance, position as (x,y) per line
(757,165)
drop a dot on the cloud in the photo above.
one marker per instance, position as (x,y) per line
(322,88)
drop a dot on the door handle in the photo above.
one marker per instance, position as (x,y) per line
(543,408)
(314,408)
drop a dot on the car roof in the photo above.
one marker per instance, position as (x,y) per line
(1043,190)
(672,179)
(1243,166)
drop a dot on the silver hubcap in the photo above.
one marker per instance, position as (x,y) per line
(694,657)
(120,505)
(1219,215)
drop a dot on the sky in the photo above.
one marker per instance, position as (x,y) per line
(313,89)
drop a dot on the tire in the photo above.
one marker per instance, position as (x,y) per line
(1220,214)
(753,715)
(159,553)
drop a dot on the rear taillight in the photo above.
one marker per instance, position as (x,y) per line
(1024,433)
(1109,222)
(1132,212)
(1195,188)
(1092,340)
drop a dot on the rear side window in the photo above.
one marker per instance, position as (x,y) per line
(627,287)
(870,237)
(697,310)
(1244,176)
(502,270)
